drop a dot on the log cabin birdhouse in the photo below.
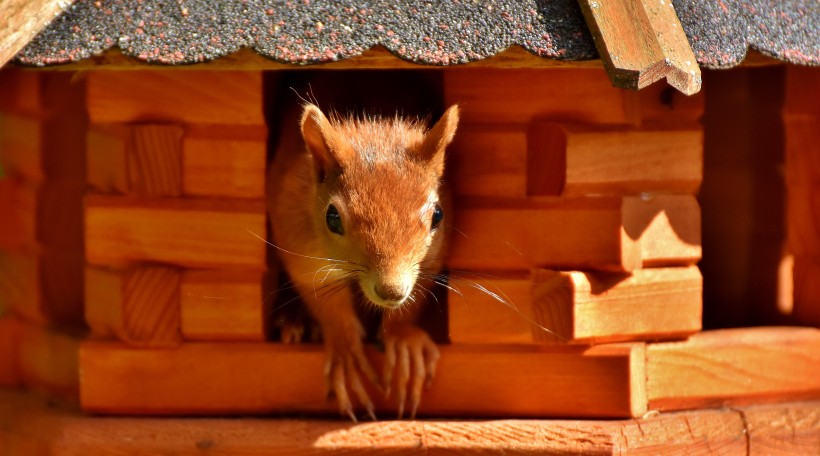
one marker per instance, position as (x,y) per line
(634,242)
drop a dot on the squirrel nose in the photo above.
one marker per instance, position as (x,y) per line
(390,292)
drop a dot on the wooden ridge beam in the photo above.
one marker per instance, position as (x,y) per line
(642,41)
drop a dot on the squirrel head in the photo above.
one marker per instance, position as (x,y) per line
(378,203)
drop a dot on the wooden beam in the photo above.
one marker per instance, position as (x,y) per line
(204,97)
(734,366)
(513,234)
(196,233)
(230,165)
(593,308)
(642,41)
(579,307)
(224,305)
(519,96)
(240,378)
(23,20)
(579,160)
(139,304)
(488,160)
(607,233)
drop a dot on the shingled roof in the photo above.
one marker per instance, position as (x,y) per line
(440,32)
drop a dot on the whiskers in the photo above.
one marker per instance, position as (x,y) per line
(456,279)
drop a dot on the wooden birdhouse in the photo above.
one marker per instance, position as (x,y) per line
(633,264)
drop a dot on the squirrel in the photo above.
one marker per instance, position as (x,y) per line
(357,210)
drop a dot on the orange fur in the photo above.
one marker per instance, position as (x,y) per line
(384,178)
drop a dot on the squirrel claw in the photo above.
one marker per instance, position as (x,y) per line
(344,363)
(408,350)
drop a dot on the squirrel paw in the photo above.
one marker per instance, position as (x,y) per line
(291,333)
(345,360)
(407,345)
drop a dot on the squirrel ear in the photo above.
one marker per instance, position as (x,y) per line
(321,140)
(439,137)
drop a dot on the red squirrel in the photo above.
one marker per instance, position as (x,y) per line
(358,209)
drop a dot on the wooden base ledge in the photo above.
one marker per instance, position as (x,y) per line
(33,426)
(472,380)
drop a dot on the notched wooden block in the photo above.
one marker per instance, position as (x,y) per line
(579,160)
(136,159)
(139,304)
(596,307)
(576,307)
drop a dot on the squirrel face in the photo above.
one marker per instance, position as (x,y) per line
(377,201)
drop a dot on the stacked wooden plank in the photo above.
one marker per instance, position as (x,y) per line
(41,234)
(175,224)
(801,117)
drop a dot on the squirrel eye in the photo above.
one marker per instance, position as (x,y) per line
(334,220)
(438,214)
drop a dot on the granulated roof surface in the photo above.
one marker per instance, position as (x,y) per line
(437,32)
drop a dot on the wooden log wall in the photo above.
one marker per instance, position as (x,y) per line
(176,221)
(41,188)
(567,191)
(572,264)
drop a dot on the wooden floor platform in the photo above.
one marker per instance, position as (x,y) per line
(32,425)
